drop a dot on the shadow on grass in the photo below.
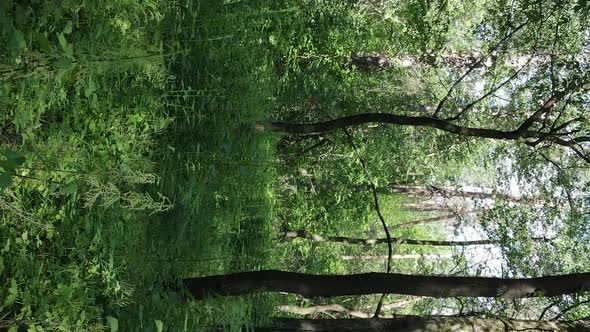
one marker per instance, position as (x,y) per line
(215,168)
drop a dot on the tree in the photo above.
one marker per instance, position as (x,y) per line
(426,221)
(424,324)
(337,308)
(303,234)
(379,61)
(433,191)
(396,257)
(430,191)
(325,308)
(310,285)
(534,125)
(558,132)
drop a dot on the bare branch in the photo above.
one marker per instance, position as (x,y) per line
(475,65)
(489,93)
(566,124)
(550,103)
(580,153)
(495,89)
(378,210)
(560,180)
(561,113)
(571,307)
(395,240)
(326,308)
(551,305)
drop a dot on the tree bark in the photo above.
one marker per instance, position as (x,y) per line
(423,221)
(423,207)
(326,308)
(394,257)
(430,191)
(423,324)
(344,310)
(380,61)
(310,285)
(523,131)
(403,120)
(370,62)
(395,240)
(427,191)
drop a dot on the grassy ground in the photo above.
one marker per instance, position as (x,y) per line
(216,169)
(142,165)
(141,162)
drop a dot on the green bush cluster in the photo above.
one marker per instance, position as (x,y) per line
(81,87)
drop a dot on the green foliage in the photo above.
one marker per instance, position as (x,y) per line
(128,158)
(12,160)
(80,91)
(93,227)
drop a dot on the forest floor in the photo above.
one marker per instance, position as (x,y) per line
(143,166)
(217,170)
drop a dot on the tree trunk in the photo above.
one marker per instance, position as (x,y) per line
(394,257)
(318,238)
(344,310)
(380,61)
(523,132)
(423,324)
(427,191)
(310,285)
(370,62)
(326,308)
(430,191)
(403,120)
(422,207)
(426,221)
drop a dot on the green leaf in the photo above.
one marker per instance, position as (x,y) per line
(113,323)
(43,42)
(159,325)
(13,329)
(90,89)
(5,180)
(91,85)
(63,63)
(70,189)
(8,165)
(17,157)
(12,293)
(13,287)
(62,41)
(68,28)
(70,50)
(5,5)
(19,39)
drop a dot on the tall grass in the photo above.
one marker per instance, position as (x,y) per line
(142,165)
